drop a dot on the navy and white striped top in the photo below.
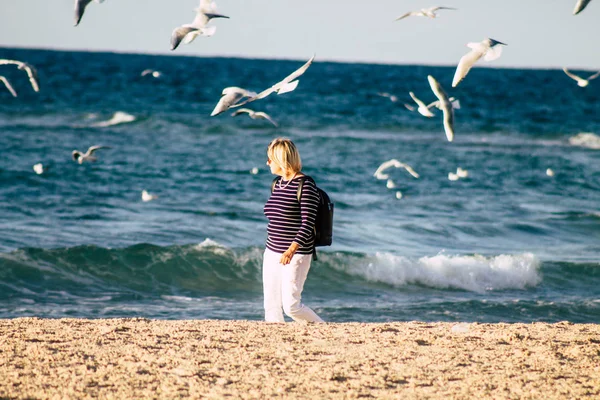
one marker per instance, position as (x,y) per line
(290,221)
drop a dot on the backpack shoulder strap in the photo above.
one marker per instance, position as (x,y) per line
(273,183)
(301,184)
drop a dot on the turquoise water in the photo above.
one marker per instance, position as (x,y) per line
(507,243)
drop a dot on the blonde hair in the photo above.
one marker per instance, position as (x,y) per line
(284,152)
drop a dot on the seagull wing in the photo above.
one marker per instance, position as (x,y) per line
(417,100)
(409,107)
(385,165)
(8,86)
(410,170)
(580,5)
(446,106)
(80,6)
(465,64)
(179,33)
(594,76)
(266,116)
(242,111)
(92,149)
(441,8)
(572,75)
(32,74)
(408,14)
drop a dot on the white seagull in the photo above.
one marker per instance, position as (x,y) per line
(39,168)
(155,74)
(88,156)
(80,6)
(288,84)
(147,196)
(206,11)
(393,163)
(28,68)
(424,12)
(580,5)
(489,49)
(423,108)
(254,115)
(8,86)
(229,97)
(580,81)
(392,98)
(445,105)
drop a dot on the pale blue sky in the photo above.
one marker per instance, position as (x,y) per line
(539,33)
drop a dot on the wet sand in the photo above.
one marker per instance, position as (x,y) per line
(140,358)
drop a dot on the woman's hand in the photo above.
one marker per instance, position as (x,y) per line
(286,257)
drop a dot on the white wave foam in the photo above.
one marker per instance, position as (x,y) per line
(585,139)
(474,273)
(119,117)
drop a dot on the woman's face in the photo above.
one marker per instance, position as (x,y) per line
(275,168)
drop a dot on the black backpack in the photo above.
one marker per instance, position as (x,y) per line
(324,218)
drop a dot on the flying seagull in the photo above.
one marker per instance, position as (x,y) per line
(288,84)
(445,106)
(188,32)
(80,6)
(147,196)
(579,7)
(424,110)
(392,97)
(488,49)
(254,115)
(155,74)
(580,81)
(393,163)
(424,12)
(8,86)
(28,68)
(229,97)
(88,156)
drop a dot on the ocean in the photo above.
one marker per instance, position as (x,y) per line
(511,242)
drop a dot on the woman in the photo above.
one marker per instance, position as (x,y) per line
(290,235)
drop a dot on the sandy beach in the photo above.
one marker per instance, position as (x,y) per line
(140,358)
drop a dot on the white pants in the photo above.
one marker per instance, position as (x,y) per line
(283,286)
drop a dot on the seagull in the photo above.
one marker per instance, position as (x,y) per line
(31,71)
(88,156)
(288,84)
(155,74)
(462,173)
(549,172)
(229,97)
(188,32)
(580,81)
(424,12)
(390,184)
(452,176)
(147,196)
(579,7)
(80,6)
(445,105)
(254,114)
(392,98)
(393,163)
(8,86)
(39,168)
(488,49)
(423,109)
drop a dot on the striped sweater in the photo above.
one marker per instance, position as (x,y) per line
(290,221)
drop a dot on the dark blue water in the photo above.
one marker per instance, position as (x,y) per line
(507,243)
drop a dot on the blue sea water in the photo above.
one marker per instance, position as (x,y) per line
(508,243)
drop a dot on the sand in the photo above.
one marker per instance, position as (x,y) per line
(140,358)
